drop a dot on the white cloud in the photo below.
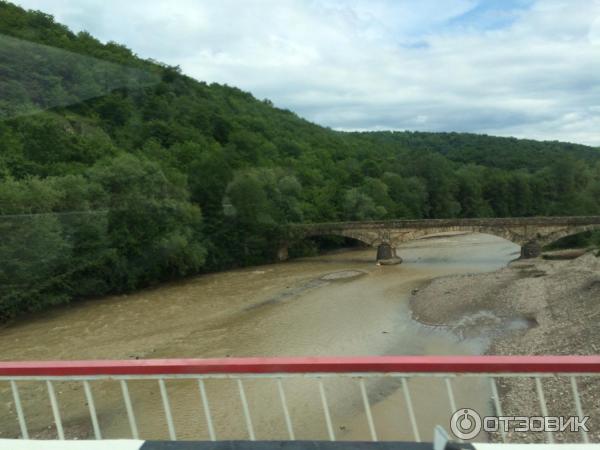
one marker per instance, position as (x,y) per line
(359,64)
(594,33)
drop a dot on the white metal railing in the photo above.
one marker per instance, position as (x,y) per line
(339,382)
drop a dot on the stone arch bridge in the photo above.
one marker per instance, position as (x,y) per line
(531,233)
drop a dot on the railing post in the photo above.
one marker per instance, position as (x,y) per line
(578,409)
(19,408)
(411,411)
(129,408)
(246,410)
(207,414)
(497,404)
(544,408)
(55,411)
(326,411)
(92,407)
(363,391)
(167,408)
(286,413)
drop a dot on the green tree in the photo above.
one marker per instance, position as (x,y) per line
(470,192)
(154,229)
(359,206)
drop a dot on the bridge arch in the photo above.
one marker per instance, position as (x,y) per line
(296,245)
(370,239)
(397,238)
(557,235)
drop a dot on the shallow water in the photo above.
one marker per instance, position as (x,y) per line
(298,308)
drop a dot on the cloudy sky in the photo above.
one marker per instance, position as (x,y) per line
(526,68)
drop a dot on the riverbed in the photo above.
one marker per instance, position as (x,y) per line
(335,304)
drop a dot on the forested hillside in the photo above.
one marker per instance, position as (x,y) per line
(118,172)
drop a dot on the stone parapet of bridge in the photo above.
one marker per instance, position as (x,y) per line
(524,231)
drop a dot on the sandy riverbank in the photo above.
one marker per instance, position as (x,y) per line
(531,307)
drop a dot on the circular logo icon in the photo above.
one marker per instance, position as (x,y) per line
(465,423)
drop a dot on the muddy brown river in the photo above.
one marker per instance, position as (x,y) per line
(336,304)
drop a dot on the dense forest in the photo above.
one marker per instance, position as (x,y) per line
(118,172)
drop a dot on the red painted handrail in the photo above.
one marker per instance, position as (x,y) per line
(404,364)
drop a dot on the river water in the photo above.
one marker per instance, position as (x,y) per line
(298,308)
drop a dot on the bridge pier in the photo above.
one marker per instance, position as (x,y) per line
(282,253)
(531,249)
(386,254)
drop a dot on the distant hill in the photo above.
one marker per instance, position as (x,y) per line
(500,152)
(118,172)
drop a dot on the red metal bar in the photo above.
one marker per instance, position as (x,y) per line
(405,364)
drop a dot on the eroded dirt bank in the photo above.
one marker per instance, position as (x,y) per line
(531,307)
